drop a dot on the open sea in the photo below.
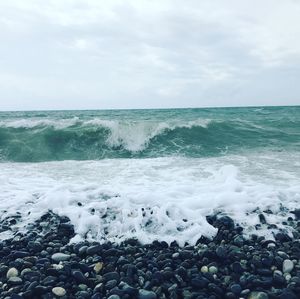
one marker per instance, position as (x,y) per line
(150,174)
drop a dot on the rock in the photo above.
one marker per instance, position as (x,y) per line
(114,297)
(111,284)
(15,280)
(98,267)
(93,249)
(237,268)
(236,289)
(213,270)
(82,287)
(12,272)
(225,221)
(19,254)
(287,266)
(128,289)
(175,255)
(221,252)
(204,269)
(49,281)
(262,218)
(78,276)
(199,283)
(60,257)
(111,276)
(296,212)
(258,295)
(24,271)
(59,291)
(144,294)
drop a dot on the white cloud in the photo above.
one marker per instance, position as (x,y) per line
(122,54)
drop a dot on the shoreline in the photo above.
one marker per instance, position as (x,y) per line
(42,264)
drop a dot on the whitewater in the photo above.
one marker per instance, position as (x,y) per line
(151,174)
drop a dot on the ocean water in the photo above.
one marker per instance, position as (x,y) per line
(150,174)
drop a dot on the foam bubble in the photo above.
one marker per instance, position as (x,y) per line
(163,198)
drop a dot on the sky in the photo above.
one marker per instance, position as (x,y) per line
(111,54)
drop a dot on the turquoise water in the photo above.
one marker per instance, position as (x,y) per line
(94,135)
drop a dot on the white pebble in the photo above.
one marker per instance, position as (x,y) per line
(12,272)
(59,292)
(287,266)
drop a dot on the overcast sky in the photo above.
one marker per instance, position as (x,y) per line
(97,54)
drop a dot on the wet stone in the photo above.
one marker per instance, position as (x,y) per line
(59,291)
(60,257)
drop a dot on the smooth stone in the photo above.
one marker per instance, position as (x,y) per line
(60,257)
(236,289)
(111,276)
(93,249)
(175,255)
(98,267)
(82,287)
(24,271)
(204,269)
(15,280)
(79,277)
(83,294)
(59,291)
(221,252)
(287,266)
(144,294)
(49,280)
(12,272)
(114,297)
(111,284)
(258,295)
(213,270)
(128,289)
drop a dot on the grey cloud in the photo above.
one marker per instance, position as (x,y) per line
(129,54)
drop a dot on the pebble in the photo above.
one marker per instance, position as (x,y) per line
(60,257)
(287,266)
(15,280)
(231,266)
(258,295)
(213,270)
(98,267)
(59,291)
(12,272)
(144,294)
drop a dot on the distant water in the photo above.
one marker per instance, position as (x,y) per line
(150,174)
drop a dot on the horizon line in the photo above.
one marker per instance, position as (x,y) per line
(174,108)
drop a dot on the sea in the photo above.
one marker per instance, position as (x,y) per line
(151,174)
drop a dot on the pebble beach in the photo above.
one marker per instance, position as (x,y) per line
(42,263)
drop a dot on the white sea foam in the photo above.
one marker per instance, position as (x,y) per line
(31,123)
(163,198)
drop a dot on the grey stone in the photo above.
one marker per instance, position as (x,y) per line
(258,295)
(287,266)
(144,294)
(60,257)
(15,280)
(59,291)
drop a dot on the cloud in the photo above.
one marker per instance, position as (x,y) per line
(141,54)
